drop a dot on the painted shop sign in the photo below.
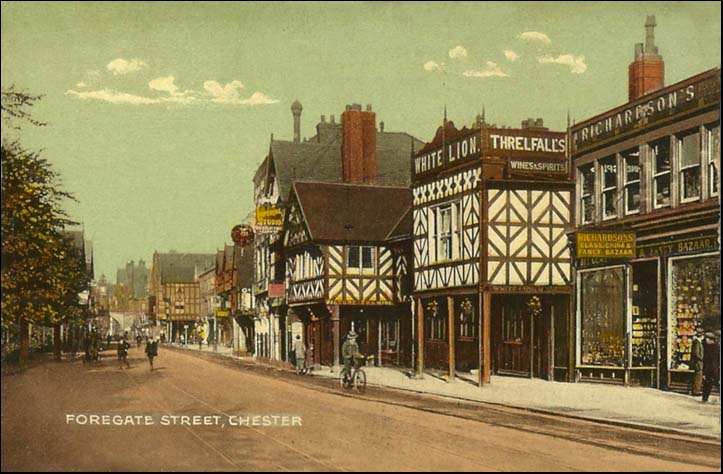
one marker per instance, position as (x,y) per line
(269,218)
(526,289)
(602,244)
(528,166)
(701,92)
(523,143)
(463,149)
(676,247)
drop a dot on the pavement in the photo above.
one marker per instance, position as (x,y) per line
(628,406)
(384,430)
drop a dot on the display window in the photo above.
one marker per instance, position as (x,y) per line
(602,317)
(694,303)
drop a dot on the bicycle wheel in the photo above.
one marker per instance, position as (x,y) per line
(360,381)
(343,381)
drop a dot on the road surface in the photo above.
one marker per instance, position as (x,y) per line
(386,430)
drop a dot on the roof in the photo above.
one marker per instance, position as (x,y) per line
(312,160)
(404,228)
(181,267)
(451,133)
(356,212)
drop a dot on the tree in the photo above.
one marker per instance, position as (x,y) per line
(41,272)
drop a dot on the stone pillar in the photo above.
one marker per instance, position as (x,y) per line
(336,335)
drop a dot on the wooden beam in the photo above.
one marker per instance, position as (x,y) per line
(451,336)
(486,317)
(420,337)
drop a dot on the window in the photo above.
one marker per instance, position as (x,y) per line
(587,188)
(609,187)
(513,323)
(660,150)
(445,233)
(467,318)
(361,327)
(631,162)
(602,312)
(360,259)
(690,176)
(390,331)
(436,321)
(713,157)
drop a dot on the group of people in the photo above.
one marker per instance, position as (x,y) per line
(123,346)
(349,351)
(705,362)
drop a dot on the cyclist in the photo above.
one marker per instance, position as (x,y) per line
(349,350)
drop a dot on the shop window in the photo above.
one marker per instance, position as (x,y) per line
(660,150)
(587,188)
(602,317)
(361,327)
(390,335)
(713,157)
(644,314)
(631,162)
(694,303)
(436,321)
(690,175)
(467,318)
(609,187)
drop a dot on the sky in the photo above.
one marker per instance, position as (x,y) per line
(159,113)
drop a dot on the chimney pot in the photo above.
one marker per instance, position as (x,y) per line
(331,119)
(369,107)
(381,126)
(323,119)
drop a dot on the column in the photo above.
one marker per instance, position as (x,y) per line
(451,337)
(485,355)
(420,338)
(335,328)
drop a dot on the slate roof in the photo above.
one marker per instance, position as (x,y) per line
(312,160)
(336,212)
(181,267)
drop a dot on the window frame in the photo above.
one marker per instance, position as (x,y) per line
(590,194)
(712,159)
(625,155)
(682,169)
(604,190)
(660,174)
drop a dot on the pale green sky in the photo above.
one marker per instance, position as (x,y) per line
(160,163)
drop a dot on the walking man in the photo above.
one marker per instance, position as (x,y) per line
(300,353)
(123,347)
(696,362)
(151,350)
(711,365)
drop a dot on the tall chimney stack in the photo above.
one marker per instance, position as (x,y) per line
(359,144)
(647,71)
(296,109)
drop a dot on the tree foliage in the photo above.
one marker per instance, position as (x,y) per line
(42,270)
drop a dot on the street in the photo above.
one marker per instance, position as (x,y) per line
(384,430)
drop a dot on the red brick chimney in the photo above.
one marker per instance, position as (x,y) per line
(647,72)
(359,144)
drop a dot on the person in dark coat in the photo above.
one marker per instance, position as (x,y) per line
(151,350)
(123,347)
(696,362)
(711,365)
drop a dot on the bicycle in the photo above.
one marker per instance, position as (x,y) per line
(357,379)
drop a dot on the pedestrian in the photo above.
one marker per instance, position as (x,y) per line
(123,347)
(139,338)
(696,362)
(109,339)
(711,365)
(200,342)
(151,350)
(183,340)
(300,355)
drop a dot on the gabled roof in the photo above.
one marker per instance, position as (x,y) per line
(351,212)
(181,267)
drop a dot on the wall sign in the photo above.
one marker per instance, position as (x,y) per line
(679,247)
(528,143)
(269,218)
(536,166)
(604,244)
(454,151)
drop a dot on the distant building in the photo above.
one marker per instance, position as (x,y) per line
(176,292)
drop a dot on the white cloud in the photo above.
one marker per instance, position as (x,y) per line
(458,52)
(114,97)
(164,84)
(123,66)
(511,55)
(493,70)
(258,98)
(535,36)
(576,63)
(432,66)
(81,84)
(223,94)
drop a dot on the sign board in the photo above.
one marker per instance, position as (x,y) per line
(534,166)
(277,290)
(221,313)
(242,234)
(523,142)
(696,244)
(452,151)
(605,244)
(697,92)
(269,218)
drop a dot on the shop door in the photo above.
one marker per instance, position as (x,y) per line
(513,336)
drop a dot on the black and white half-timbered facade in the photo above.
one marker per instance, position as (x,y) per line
(346,268)
(492,270)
